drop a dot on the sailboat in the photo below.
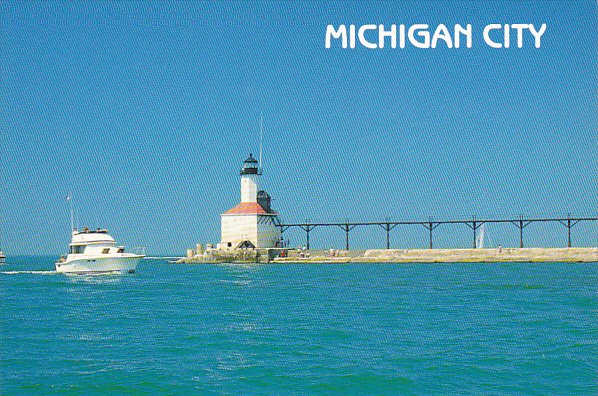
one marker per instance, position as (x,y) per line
(2,256)
(480,239)
(482,236)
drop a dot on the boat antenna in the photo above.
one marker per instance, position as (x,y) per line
(69,199)
(261,139)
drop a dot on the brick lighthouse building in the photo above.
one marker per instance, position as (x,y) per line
(252,223)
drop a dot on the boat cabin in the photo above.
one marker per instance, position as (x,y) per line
(93,242)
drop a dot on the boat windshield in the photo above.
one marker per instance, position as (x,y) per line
(77,249)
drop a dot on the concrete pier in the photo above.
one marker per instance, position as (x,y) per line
(448,256)
(581,255)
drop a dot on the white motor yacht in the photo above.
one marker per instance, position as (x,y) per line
(95,252)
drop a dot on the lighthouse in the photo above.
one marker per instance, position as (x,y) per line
(252,223)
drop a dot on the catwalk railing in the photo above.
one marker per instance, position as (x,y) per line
(474,224)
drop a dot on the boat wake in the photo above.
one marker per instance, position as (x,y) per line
(93,273)
(29,272)
(74,276)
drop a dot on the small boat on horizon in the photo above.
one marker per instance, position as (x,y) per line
(96,252)
(2,257)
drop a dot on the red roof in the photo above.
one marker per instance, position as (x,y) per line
(247,208)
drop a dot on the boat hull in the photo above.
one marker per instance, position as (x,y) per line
(100,265)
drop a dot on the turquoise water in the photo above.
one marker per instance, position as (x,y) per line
(300,329)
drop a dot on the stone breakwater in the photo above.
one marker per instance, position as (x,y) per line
(408,256)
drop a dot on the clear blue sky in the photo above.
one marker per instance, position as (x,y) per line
(145,110)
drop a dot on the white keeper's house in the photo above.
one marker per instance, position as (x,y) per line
(252,223)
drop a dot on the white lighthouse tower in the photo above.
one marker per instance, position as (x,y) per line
(249,180)
(252,223)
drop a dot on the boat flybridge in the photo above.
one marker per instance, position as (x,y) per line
(96,252)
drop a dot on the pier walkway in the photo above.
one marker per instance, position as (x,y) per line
(474,224)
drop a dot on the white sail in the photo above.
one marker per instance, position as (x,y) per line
(481,235)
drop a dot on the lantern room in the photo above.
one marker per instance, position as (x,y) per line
(249,166)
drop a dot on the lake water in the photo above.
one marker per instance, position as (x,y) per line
(300,329)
